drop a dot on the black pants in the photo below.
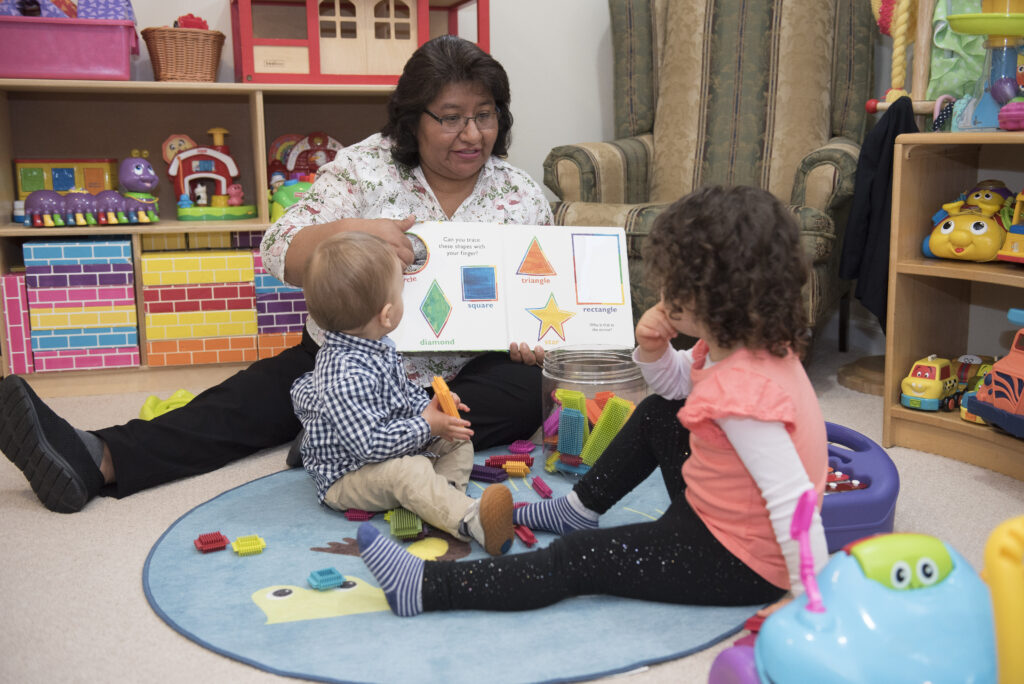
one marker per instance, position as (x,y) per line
(674,559)
(252,410)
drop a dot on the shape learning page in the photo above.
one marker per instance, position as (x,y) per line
(481,286)
(453,292)
(568,285)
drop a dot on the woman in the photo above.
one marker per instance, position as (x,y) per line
(436,159)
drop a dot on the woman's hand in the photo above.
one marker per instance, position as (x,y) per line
(391,231)
(654,333)
(521,353)
(305,241)
(443,425)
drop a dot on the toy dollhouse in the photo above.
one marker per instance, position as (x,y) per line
(340,41)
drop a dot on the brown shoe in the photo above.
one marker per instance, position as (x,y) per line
(496,519)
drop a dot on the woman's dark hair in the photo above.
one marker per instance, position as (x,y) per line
(437,63)
(732,257)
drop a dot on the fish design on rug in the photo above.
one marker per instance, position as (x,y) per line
(288,603)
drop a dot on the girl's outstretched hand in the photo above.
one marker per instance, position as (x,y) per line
(443,425)
(654,333)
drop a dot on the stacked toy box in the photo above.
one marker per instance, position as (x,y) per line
(81,304)
(16,323)
(200,307)
(281,311)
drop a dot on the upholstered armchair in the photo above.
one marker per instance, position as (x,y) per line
(769,94)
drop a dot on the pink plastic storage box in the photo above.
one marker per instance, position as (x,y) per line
(37,47)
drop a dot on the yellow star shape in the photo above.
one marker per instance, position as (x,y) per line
(551,318)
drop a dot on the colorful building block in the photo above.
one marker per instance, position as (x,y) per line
(358,515)
(522,446)
(551,460)
(211,541)
(444,396)
(500,460)
(525,534)
(541,487)
(485,473)
(404,523)
(573,399)
(615,414)
(325,578)
(570,459)
(249,545)
(17,331)
(551,423)
(571,469)
(516,468)
(571,431)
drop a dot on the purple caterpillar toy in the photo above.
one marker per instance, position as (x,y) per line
(79,208)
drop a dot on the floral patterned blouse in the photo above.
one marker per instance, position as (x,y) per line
(364,181)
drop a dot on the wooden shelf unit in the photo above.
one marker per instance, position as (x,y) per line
(929,304)
(58,119)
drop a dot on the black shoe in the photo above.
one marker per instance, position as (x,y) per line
(46,448)
(294,459)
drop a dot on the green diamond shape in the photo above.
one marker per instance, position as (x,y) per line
(436,308)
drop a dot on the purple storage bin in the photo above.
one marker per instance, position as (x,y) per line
(37,47)
(849,516)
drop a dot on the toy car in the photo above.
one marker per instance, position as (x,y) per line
(930,385)
(999,400)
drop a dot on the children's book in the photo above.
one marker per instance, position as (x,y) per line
(482,286)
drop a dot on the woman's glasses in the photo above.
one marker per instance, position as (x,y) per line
(455,123)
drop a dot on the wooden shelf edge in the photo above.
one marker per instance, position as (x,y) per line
(161,227)
(944,435)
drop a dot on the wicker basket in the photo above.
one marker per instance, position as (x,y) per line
(183,54)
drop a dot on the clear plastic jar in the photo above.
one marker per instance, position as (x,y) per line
(590,370)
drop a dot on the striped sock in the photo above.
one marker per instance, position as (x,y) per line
(399,573)
(561,515)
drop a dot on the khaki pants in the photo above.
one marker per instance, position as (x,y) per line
(433,489)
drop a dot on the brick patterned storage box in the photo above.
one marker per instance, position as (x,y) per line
(81,304)
(95,49)
(200,307)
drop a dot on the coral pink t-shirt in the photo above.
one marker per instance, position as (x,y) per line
(718,486)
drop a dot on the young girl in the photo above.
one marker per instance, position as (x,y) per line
(733,424)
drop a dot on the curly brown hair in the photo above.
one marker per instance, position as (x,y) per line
(732,257)
(437,63)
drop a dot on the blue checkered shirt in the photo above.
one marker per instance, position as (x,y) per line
(358,407)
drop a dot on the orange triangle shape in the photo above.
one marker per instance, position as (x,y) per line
(534,262)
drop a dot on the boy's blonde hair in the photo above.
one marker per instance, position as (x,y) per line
(348,280)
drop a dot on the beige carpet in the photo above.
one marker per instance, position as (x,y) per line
(73,608)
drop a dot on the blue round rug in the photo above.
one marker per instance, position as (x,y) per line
(261,610)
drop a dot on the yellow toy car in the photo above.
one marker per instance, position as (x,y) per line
(930,385)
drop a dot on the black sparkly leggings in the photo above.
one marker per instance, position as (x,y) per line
(674,559)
